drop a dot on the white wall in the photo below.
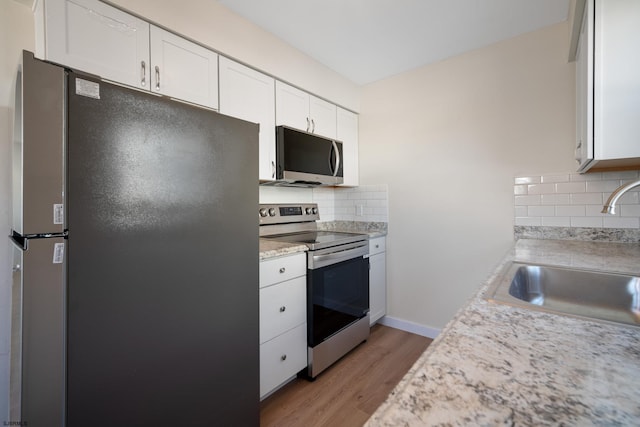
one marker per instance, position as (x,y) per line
(16,33)
(212,24)
(448,139)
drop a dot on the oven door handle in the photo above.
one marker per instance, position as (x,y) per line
(319,261)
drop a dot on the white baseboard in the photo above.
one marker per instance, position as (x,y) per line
(408,326)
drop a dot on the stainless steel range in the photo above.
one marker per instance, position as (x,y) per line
(337,281)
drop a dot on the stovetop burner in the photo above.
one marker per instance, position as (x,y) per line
(296,223)
(319,239)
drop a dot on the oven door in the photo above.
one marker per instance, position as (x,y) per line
(337,293)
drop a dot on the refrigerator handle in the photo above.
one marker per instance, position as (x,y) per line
(18,240)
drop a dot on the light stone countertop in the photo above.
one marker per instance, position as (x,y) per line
(273,248)
(495,364)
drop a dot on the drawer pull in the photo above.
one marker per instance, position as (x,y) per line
(282,309)
(282,270)
(377,246)
(283,357)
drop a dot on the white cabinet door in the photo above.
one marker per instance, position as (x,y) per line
(608,85)
(584,91)
(323,117)
(617,79)
(182,69)
(298,109)
(282,358)
(292,107)
(377,279)
(347,132)
(250,95)
(91,36)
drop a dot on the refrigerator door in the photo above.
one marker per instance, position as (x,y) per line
(38,151)
(37,394)
(163,262)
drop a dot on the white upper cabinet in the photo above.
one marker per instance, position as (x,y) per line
(91,36)
(250,95)
(347,132)
(182,69)
(608,85)
(300,110)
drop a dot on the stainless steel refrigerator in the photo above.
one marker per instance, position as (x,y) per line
(135,294)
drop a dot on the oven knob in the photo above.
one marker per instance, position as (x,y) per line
(315,211)
(263,212)
(272,211)
(308,211)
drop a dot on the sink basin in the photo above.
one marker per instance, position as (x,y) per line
(583,293)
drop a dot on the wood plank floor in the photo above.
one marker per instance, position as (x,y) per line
(348,392)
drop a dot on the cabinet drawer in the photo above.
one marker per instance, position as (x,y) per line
(284,268)
(282,357)
(282,307)
(377,245)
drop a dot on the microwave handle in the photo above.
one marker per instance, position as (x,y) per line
(337,164)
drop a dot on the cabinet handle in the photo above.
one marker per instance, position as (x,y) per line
(273,169)
(157,78)
(313,126)
(579,144)
(377,246)
(282,270)
(308,124)
(283,357)
(282,309)
(143,71)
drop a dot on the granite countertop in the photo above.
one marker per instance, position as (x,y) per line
(495,364)
(273,248)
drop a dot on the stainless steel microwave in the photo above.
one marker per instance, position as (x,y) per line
(306,160)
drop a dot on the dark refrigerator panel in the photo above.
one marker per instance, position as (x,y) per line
(38,152)
(163,267)
(38,333)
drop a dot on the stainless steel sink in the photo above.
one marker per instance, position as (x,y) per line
(583,293)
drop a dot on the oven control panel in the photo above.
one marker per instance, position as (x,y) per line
(288,213)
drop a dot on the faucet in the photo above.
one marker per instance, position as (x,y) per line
(610,206)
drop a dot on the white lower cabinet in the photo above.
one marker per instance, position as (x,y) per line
(283,320)
(377,279)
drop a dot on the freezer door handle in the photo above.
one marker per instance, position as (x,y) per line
(19,241)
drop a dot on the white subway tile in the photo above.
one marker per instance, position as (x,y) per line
(541,211)
(519,189)
(629,198)
(586,221)
(556,221)
(555,199)
(586,198)
(602,186)
(623,175)
(541,188)
(595,210)
(520,211)
(585,177)
(555,178)
(570,187)
(572,210)
(527,180)
(527,200)
(630,210)
(621,222)
(528,221)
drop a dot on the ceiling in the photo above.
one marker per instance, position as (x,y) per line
(368,40)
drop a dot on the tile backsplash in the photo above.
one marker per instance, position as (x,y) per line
(367,203)
(575,200)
